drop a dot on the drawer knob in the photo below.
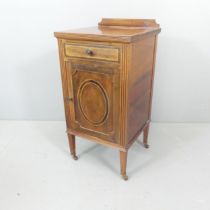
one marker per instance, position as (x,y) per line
(69,99)
(89,52)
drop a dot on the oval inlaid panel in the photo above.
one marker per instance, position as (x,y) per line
(93,102)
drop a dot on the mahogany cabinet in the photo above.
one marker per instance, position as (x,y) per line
(107,77)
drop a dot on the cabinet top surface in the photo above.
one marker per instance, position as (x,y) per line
(117,30)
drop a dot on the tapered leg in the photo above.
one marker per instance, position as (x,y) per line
(72,146)
(145,138)
(123,163)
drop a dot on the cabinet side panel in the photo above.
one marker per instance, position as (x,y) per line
(140,85)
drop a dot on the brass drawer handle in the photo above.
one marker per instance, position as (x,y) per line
(89,52)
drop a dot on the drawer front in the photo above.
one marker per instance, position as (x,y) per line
(106,53)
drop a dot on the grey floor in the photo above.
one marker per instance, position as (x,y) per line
(37,172)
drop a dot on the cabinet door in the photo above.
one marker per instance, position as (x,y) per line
(93,90)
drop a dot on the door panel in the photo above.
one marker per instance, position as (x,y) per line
(94,89)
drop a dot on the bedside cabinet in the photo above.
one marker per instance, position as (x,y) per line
(107,78)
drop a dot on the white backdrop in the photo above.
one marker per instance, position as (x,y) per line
(30,85)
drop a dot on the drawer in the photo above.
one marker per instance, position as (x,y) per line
(106,53)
